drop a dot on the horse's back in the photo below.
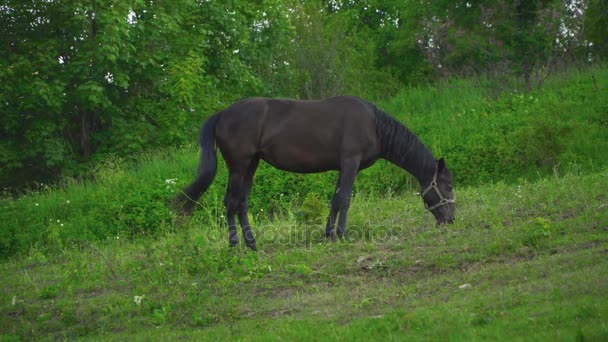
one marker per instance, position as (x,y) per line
(300,135)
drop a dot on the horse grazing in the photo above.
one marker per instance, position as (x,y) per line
(341,133)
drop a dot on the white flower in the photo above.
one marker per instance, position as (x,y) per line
(138,299)
(14,300)
(170,181)
(36,204)
(68,201)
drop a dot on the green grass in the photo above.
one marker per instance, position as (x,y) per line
(534,254)
(108,259)
(485,138)
(488,137)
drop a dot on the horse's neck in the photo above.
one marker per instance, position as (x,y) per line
(412,156)
(403,148)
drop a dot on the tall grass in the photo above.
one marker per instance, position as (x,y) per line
(562,128)
(515,135)
(522,261)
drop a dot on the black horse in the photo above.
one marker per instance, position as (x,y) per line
(342,133)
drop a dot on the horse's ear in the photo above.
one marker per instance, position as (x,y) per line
(440,164)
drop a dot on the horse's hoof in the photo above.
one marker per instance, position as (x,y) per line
(253,247)
(233,243)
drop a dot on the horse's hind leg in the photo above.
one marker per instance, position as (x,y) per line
(231,202)
(244,204)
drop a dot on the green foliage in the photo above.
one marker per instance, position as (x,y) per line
(312,211)
(537,232)
(515,137)
(596,27)
(81,80)
(531,253)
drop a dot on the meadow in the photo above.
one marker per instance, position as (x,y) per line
(107,258)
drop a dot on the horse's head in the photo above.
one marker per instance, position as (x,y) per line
(438,195)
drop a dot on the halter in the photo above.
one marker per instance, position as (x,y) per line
(442,199)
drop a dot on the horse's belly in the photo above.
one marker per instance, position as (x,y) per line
(301,160)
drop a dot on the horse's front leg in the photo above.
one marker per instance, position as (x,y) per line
(333,213)
(348,172)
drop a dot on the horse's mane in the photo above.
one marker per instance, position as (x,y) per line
(402,147)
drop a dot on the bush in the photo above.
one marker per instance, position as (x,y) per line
(514,137)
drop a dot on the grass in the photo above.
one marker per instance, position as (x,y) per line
(489,137)
(561,128)
(532,253)
(525,259)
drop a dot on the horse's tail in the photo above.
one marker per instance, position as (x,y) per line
(206,169)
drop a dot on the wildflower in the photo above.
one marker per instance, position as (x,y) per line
(138,299)
(67,202)
(36,204)
(170,181)
(14,300)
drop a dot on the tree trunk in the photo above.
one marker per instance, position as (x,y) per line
(85,134)
(528,82)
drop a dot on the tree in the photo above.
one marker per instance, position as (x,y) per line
(82,79)
(499,37)
(596,28)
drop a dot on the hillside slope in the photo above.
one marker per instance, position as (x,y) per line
(526,261)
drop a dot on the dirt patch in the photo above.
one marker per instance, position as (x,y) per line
(281,312)
(274,292)
(283,292)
